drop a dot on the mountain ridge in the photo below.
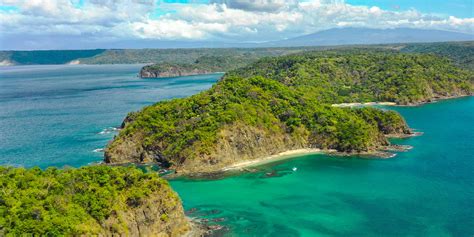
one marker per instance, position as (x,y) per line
(357,36)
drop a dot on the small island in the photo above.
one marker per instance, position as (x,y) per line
(202,65)
(281,104)
(172,70)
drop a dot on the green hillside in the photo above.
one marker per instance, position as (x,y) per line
(95,200)
(283,103)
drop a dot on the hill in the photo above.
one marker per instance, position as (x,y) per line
(90,201)
(283,103)
(367,36)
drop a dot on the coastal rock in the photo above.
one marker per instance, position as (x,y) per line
(94,200)
(163,71)
(160,214)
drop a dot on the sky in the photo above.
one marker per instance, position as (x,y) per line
(76,24)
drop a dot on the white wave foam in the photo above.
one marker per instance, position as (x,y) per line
(109,130)
(98,150)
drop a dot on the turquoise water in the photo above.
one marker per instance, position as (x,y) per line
(58,115)
(54,115)
(428,191)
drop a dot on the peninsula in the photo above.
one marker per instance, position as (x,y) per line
(284,103)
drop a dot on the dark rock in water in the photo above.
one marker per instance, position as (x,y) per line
(217,230)
(191,211)
(218,219)
(215,227)
(271,174)
(214,211)
(398,148)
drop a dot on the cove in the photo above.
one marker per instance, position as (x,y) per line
(428,191)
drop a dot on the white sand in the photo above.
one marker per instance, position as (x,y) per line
(363,104)
(280,156)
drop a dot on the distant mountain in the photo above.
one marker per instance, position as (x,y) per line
(351,36)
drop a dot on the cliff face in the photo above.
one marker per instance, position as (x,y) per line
(236,143)
(239,141)
(159,214)
(171,71)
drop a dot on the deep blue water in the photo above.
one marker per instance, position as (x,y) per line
(54,115)
(58,115)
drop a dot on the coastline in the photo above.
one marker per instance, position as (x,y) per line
(382,153)
(273,158)
(386,103)
(344,105)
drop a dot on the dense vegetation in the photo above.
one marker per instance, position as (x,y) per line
(146,56)
(203,64)
(189,127)
(284,103)
(459,52)
(85,201)
(365,75)
(47,56)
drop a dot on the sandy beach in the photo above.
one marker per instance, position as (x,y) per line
(268,159)
(364,104)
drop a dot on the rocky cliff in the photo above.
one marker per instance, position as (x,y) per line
(160,213)
(161,71)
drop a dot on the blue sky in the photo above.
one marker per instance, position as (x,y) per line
(42,24)
(459,8)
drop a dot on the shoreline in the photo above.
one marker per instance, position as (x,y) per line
(382,153)
(386,103)
(345,105)
(289,154)
(386,152)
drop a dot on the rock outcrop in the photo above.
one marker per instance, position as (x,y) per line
(159,214)
(163,71)
(90,201)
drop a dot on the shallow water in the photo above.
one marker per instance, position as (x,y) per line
(58,115)
(63,115)
(428,191)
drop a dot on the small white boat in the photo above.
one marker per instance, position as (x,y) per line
(295,169)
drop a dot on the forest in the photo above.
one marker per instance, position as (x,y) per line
(93,200)
(459,52)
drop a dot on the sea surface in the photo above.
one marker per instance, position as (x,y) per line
(58,115)
(63,115)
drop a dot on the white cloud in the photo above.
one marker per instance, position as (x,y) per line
(237,20)
(258,5)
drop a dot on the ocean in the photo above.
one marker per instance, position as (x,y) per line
(61,115)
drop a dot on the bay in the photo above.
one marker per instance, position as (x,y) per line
(58,115)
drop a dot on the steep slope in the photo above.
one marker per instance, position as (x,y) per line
(283,103)
(97,200)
